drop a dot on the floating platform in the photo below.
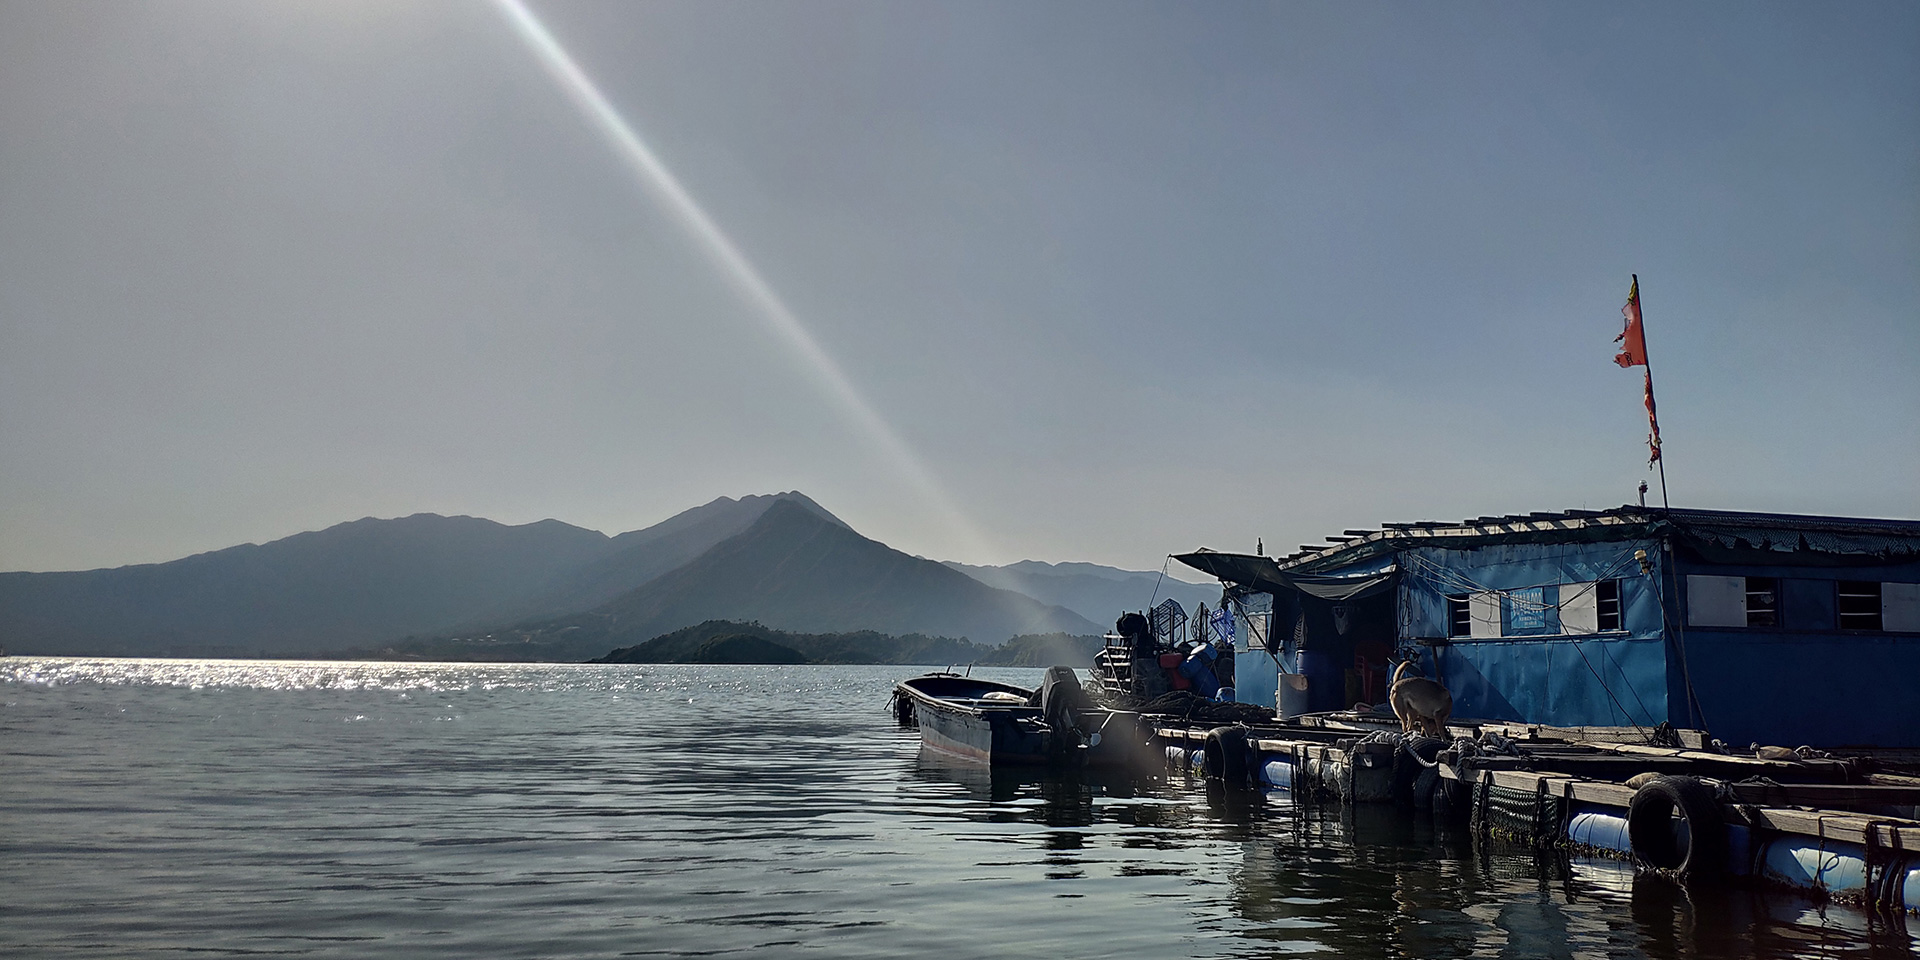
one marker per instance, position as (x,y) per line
(1841,828)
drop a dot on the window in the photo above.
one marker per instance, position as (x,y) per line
(1607,605)
(1483,614)
(1763,602)
(1860,605)
(1733,601)
(1716,601)
(1873,605)
(1590,607)
(1474,615)
(1900,607)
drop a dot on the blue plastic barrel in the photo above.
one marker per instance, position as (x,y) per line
(1277,774)
(1199,670)
(1810,865)
(1601,830)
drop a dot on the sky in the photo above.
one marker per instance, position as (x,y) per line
(990,281)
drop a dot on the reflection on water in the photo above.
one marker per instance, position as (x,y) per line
(151,808)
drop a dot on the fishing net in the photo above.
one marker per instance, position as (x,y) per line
(1187,705)
(1519,816)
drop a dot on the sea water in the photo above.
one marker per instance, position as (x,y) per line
(160,808)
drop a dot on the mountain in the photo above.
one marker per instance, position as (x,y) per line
(357,582)
(361,584)
(798,570)
(1097,593)
(641,555)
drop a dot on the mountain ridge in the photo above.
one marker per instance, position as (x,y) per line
(354,582)
(370,584)
(799,572)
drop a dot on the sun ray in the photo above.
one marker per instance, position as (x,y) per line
(740,272)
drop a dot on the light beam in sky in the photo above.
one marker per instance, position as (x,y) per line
(738,270)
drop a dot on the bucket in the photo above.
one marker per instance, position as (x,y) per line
(1291,701)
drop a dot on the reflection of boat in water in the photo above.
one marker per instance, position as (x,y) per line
(1054,796)
(986,721)
(1066,796)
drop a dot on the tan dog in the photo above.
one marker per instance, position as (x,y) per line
(1422,705)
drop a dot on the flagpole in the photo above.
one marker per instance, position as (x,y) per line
(1640,300)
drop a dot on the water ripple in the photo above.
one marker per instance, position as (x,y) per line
(155,808)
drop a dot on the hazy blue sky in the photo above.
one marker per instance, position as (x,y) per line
(1125,278)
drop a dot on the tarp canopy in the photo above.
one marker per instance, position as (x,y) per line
(1262,573)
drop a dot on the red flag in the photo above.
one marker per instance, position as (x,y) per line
(1632,340)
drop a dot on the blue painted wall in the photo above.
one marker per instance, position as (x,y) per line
(1256,677)
(1804,682)
(1616,678)
(1824,690)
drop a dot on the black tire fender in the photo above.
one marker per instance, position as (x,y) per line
(1226,755)
(1425,748)
(1650,827)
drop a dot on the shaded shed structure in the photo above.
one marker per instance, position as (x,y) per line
(1775,628)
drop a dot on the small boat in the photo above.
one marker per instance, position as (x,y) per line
(986,721)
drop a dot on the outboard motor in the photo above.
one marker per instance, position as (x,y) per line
(1061,702)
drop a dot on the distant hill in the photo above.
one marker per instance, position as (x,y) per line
(363,584)
(744,648)
(800,571)
(702,643)
(435,587)
(357,582)
(1100,594)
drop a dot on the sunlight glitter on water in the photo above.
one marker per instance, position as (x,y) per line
(323,674)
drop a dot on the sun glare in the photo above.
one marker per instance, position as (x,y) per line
(738,271)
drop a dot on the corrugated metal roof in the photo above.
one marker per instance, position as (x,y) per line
(1729,529)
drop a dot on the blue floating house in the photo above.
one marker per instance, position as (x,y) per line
(1774,628)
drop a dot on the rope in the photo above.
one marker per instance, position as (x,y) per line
(1642,731)
(1680,635)
(1445,581)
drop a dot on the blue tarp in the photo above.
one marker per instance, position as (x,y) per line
(1536,672)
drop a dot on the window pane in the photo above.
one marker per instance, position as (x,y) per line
(1859,604)
(1459,619)
(1483,609)
(1579,608)
(1763,604)
(1716,601)
(1607,605)
(1900,607)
